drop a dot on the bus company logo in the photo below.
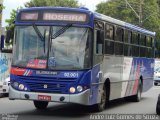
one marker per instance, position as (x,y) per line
(46,73)
(45,86)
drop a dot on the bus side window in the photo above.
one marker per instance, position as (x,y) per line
(99,41)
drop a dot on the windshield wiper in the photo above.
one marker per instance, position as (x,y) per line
(61,31)
(40,35)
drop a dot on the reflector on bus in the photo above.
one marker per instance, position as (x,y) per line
(29,16)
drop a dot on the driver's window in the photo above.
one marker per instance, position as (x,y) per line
(98,42)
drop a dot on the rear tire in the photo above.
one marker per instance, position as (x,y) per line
(137,97)
(40,104)
(158,106)
(101,106)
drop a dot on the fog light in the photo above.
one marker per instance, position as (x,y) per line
(21,86)
(25,89)
(15,84)
(79,88)
(72,90)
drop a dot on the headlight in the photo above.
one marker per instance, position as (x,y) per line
(21,87)
(79,88)
(72,90)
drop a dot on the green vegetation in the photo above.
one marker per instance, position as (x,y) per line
(144,13)
(62,3)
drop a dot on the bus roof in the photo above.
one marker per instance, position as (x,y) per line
(123,24)
(58,8)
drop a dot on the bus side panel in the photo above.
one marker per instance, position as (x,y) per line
(137,67)
(124,74)
(133,65)
(127,76)
(112,69)
(147,71)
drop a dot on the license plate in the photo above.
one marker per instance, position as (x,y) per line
(44,97)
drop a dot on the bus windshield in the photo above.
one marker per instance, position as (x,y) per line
(52,47)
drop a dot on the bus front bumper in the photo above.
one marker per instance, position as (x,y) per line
(81,98)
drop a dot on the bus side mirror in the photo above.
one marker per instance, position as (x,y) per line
(2,42)
(8,36)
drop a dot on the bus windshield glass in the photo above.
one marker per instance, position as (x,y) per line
(52,47)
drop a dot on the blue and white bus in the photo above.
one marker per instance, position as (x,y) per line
(72,55)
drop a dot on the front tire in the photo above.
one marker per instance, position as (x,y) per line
(40,104)
(101,106)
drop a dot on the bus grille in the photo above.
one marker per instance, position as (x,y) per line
(47,85)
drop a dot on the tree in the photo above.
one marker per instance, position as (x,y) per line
(147,10)
(10,22)
(61,3)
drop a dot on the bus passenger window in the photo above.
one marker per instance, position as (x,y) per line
(109,30)
(99,41)
(135,38)
(135,51)
(143,40)
(142,51)
(118,48)
(119,34)
(109,47)
(128,36)
(127,50)
(149,41)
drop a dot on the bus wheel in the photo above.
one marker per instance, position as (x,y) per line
(101,106)
(158,106)
(40,104)
(137,97)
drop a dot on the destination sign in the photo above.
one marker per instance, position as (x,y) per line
(53,16)
(73,17)
(29,16)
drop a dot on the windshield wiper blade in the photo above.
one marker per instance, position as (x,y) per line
(61,31)
(40,35)
(38,32)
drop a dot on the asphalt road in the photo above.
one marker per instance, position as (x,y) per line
(25,110)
